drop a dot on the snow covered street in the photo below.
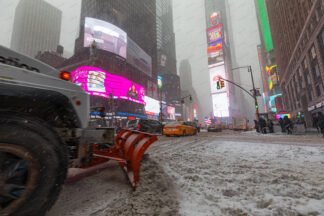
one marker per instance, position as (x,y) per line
(228,173)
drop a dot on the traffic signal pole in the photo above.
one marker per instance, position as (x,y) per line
(253,95)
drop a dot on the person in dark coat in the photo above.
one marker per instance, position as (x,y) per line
(281,122)
(270,126)
(263,125)
(288,125)
(256,125)
(315,123)
(320,123)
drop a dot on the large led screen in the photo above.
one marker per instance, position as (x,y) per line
(98,82)
(105,36)
(215,74)
(215,53)
(168,112)
(137,57)
(152,106)
(220,105)
(214,34)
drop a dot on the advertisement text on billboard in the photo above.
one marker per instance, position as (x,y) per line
(214,34)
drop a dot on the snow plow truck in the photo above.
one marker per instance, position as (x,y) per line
(44,131)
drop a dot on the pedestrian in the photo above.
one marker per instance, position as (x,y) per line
(270,126)
(321,122)
(281,122)
(263,125)
(256,125)
(315,123)
(288,125)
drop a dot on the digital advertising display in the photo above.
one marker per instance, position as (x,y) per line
(215,54)
(152,106)
(96,81)
(215,18)
(216,73)
(214,34)
(105,36)
(137,57)
(168,112)
(220,105)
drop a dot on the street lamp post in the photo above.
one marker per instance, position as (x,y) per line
(254,94)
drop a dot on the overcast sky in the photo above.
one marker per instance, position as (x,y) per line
(69,27)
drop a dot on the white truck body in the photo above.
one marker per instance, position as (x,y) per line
(20,71)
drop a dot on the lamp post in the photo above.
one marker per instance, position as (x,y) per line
(254,90)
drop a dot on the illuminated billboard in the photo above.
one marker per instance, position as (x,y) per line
(265,25)
(214,34)
(105,36)
(215,18)
(96,81)
(137,57)
(168,112)
(215,54)
(220,105)
(152,106)
(216,73)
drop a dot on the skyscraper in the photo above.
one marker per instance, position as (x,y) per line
(136,18)
(37,27)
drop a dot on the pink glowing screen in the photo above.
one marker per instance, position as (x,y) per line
(98,82)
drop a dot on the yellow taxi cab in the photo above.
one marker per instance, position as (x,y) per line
(179,129)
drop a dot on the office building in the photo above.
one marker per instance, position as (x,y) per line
(297,29)
(37,27)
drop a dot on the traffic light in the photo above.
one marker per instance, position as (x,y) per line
(222,84)
(218,86)
(190,99)
(256,106)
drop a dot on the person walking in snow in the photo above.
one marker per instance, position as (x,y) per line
(281,122)
(270,126)
(263,125)
(288,125)
(320,123)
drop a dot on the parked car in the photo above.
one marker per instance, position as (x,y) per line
(179,129)
(214,128)
(145,125)
(195,124)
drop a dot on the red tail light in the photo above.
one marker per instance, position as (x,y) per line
(178,127)
(65,75)
(139,126)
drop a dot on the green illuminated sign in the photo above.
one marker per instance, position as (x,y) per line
(265,25)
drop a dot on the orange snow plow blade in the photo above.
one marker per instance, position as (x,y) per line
(129,149)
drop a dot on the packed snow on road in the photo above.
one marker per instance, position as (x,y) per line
(211,174)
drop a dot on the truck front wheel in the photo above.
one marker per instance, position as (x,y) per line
(33,166)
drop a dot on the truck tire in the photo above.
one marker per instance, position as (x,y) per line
(33,165)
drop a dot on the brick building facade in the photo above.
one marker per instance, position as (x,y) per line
(297,28)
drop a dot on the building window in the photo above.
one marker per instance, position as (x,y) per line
(305,64)
(321,42)
(317,71)
(313,53)
(310,94)
(308,81)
